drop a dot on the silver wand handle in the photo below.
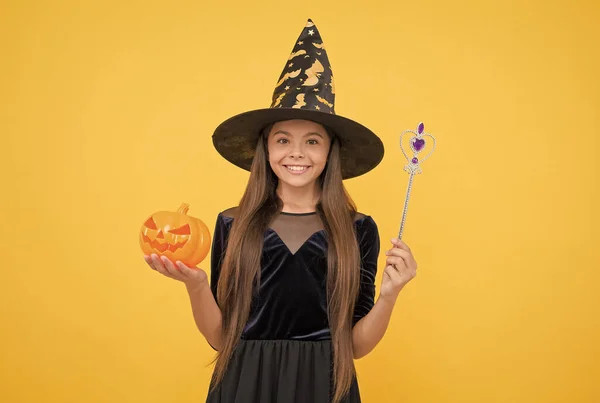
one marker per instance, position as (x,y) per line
(410,182)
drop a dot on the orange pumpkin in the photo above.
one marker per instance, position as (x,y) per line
(176,235)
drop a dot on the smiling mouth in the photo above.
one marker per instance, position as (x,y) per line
(297,169)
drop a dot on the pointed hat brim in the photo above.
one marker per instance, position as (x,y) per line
(360,149)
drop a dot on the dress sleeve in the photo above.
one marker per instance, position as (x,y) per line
(219,244)
(369,245)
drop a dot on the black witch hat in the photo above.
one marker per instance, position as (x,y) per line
(305,90)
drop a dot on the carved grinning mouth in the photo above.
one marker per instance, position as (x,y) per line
(163,247)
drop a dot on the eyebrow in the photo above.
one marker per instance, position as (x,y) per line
(306,135)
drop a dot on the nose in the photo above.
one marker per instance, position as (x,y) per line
(297,152)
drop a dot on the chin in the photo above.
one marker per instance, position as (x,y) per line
(298,183)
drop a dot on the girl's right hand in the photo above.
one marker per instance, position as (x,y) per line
(190,276)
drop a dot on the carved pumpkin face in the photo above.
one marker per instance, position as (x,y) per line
(176,235)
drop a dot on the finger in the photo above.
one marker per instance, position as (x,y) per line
(156,263)
(185,270)
(148,260)
(400,244)
(387,272)
(408,257)
(173,271)
(160,267)
(406,254)
(398,262)
(392,273)
(398,252)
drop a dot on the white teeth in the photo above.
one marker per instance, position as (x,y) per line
(296,168)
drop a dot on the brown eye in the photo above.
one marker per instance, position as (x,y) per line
(282,141)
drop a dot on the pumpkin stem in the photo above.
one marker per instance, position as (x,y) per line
(183,209)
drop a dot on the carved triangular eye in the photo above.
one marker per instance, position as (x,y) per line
(150,224)
(183,230)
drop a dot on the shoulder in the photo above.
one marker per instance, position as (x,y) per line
(225,217)
(230,212)
(365,225)
(362,220)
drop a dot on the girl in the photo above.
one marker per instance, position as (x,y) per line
(291,300)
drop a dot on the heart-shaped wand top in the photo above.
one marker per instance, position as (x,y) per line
(417,145)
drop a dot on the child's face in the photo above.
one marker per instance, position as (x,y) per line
(298,151)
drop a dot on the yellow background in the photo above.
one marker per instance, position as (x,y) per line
(106,113)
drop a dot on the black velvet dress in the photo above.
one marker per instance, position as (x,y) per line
(284,355)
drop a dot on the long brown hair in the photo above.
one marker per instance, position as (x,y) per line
(240,270)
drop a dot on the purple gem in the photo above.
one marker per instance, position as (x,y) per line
(421,128)
(415,160)
(418,144)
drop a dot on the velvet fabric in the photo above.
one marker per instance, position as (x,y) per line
(291,303)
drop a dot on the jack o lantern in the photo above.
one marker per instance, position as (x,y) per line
(176,235)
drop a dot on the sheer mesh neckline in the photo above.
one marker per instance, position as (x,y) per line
(293,229)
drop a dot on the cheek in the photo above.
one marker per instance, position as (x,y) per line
(319,157)
(276,155)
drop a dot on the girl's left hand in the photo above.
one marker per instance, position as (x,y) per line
(401,267)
